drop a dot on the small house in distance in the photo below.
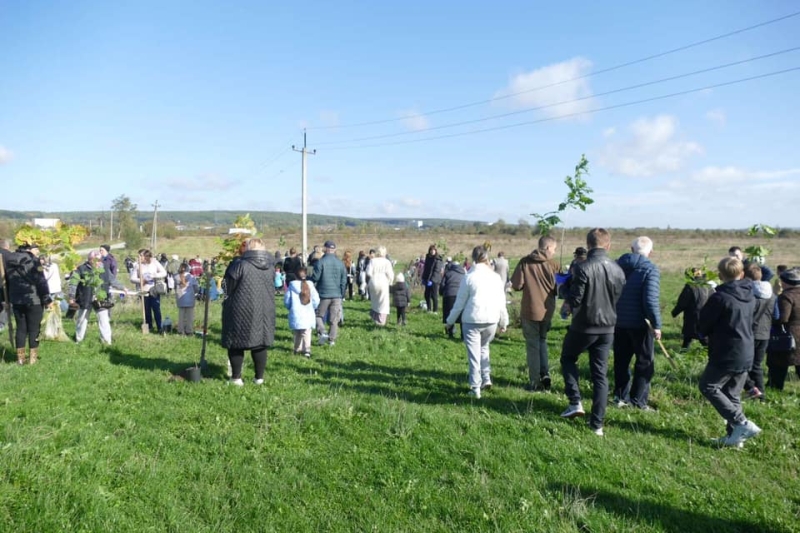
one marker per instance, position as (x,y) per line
(235,231)
(45,223)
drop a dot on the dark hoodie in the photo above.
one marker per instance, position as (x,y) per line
(248,312)
(639,299)
(453,275)
(727,320)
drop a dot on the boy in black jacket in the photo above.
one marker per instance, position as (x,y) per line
(727,321)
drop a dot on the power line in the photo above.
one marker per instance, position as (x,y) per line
(584,76)
(564,102)
(579,113)
(288,167)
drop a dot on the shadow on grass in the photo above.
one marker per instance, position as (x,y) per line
(430,387)
(118,357)
(650,512)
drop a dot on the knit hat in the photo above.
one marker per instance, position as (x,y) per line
(791,276)
(106,247)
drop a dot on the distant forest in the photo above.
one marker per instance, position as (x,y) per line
(200,219)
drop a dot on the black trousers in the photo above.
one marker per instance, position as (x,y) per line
(401,315)
(776,374)
(29,320)
(598,345)
(627,344)
(236,357)
(432,297)
(755,378)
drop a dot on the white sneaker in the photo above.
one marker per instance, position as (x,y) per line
(230,369)
(237,382)
(598,432)
(307,355)
(723,441)
(258,381)
(742,432)
(475,393)
(323,338)
(573,410)
(332,343)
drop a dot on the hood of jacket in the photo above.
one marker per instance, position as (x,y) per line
(258,258)
(741,290)
(455,267)
(536,256)
(631,261)
(762,290)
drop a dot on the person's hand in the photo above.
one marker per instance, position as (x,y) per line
(503,329)
(657,334)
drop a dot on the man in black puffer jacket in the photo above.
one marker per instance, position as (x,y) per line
(595,289)
(632,337)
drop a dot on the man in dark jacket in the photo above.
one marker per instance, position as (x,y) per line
(89,288)
(632,336)
(109,261)
(432,277)
(330,278)
(453,277)
(291,265)
(595,289)
(727,320)
(535,276)
(693,297)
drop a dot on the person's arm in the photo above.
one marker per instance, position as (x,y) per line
(161,272)
(314,297)
(287,299)
(651,295)
(709,315)
(683,301)
(517,280)
(501,301)
(577,287)
(784,309)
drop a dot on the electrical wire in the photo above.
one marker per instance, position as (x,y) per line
(563,102)
(579,113)
(584,76)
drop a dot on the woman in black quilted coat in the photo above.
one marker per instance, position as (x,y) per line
(248,312)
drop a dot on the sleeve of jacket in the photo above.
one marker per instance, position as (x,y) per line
(460,303)
(683,301)
(316,273)
(517,281)
(709,315)
(784,309)
(42,289)
(343,281)
(577,287)
(651,295)
(232,275)
(314,297)
(287,299)
(501,301)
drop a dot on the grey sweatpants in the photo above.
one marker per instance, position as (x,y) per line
(723,389)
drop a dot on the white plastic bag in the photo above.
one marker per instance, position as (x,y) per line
(52,328)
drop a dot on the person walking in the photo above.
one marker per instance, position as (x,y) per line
(501,267)
(431,278)
(762,324)
(330,279)
(535,276)
(481,303)
(291,265)
(691,300)
(594,291)
(186,289)
(302,300)
(451,282)
(788,318)
(381,274)
(350,269)
(248,311)
(638,303)
(29,295)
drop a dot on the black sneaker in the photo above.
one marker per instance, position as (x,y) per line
(546,382)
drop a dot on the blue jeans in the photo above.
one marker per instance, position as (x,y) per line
(152,308)
(598,345)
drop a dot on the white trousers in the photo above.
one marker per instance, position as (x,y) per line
(103,322)
(477,338)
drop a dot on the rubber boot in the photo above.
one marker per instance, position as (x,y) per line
(34,355)
(21,356)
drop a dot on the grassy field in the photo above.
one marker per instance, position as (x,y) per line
(374,434)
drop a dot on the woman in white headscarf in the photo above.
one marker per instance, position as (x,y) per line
(380,275)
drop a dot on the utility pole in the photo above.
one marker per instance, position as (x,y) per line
(155,228)
(304,152)
(111,228)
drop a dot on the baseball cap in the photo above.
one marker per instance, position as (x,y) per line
(330,245)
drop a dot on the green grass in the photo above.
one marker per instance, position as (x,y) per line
(374,434)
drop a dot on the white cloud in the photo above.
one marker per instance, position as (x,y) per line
(525,89)
(608,132)
(6,155)
(651,150)
(329,118)
(413,120)
(730,175)
(717,116)
(204,182)
(411,202)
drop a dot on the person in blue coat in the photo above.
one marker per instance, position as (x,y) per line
(638,302)
(302,301)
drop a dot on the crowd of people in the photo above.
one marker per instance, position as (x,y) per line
(751,315)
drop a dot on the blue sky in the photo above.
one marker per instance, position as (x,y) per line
(195,104)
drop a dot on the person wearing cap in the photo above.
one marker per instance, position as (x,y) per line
(330,279)
(109,261)
(29,295)
(789,317)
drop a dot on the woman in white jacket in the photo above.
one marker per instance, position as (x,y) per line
(381,275)
(481,303)
(147,272)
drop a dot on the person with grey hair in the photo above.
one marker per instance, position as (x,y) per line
(481,303)
(638,304)
(83,291)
